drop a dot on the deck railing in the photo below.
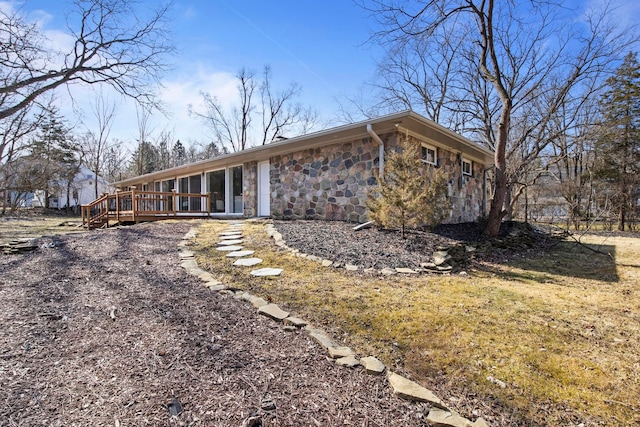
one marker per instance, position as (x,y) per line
(135,205)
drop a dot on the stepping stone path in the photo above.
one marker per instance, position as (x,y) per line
(248,262)
(439,414)
(238,254)
(229,248)
(262,272)
(229,242)
(231,237)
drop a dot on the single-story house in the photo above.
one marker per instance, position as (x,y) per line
(326,174)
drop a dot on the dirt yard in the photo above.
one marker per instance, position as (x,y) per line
(105,328)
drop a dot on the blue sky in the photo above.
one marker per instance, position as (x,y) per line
(322,46)
(319,45)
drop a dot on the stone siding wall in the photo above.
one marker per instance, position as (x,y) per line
(465,192)
(328,183)
(250,189)
(331,183)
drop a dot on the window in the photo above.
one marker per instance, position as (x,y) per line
(429,154)
(467,168)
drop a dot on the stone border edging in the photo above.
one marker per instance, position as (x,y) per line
(439,414)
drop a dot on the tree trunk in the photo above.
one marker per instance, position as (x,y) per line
(96,169)
(508,214)
(66,209)
(621,218)
(496,213)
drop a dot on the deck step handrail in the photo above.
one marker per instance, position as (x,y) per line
(141,205)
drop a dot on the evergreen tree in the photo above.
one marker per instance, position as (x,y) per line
(618,145)
(55,154)
(411,194)
(179,154)
(145,159)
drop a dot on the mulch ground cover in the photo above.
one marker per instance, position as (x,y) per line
(105,328)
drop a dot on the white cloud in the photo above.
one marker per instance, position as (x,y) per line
(178,93)
(625,13)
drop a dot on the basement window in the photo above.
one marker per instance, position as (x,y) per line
(429,154)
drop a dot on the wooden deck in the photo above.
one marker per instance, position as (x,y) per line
(141,206)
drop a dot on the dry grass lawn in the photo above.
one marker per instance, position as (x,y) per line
(30,227)
(546,341)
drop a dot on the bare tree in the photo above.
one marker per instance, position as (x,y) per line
(526,59)
(115,162)
(113,43)
(231,129)
(418,75)
(145,157)
(14,131)
(277,111)
(96,142)
(280,112)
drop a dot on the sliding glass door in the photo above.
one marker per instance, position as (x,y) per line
(225,188)
(215,186)
(235,178)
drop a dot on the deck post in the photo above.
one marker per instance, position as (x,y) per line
(208,202)
(175,202)
(106,202)
(134,203)
(117,205)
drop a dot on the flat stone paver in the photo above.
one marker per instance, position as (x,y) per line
(410,390)
(189,263)
(321,337)
(267,271)
(405,270)
(215,286)
(440,417)
(338,352)
(206,276)
(231,233)
(295,321)
(273,311)
(257,302)
(372,365)
(247,262)
(230,242)
(349,361)
(231,236)
(238,254)
(229,248)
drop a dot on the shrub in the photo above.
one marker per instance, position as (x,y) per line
(411,193)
